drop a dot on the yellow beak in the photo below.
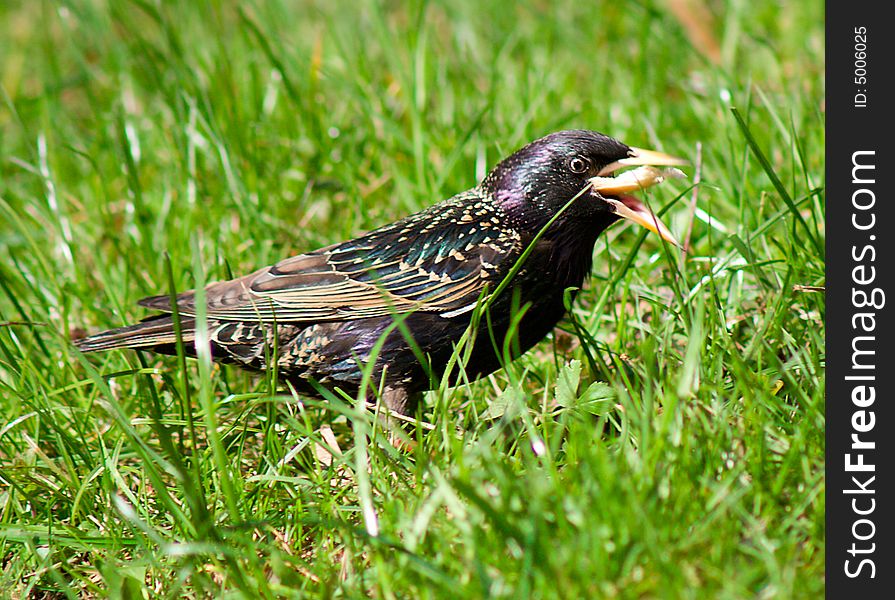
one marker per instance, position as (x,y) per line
(646,175)
(639,156)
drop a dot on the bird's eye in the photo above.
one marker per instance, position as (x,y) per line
(579,164)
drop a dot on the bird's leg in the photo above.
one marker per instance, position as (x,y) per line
(401,406)
(399,400)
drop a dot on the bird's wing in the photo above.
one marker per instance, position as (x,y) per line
(438,260)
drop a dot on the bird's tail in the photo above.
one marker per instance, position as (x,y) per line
(152,332)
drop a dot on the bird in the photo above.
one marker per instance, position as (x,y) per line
(498,259)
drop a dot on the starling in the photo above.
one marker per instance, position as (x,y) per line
(321,316)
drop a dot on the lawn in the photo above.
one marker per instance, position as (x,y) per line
(667,440)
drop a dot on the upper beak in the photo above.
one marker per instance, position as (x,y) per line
(646,175)
(639,156)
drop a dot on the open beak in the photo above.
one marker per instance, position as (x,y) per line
(614,189)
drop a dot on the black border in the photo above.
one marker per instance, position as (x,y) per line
(850,129)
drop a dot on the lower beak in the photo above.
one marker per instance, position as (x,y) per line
(631,208)
(613,189)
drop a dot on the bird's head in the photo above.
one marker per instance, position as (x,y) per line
(537,181)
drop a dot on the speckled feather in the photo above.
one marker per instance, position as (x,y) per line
(324,311)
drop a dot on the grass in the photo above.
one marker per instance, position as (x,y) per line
(666,441)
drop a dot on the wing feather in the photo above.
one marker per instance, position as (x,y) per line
(436,260)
